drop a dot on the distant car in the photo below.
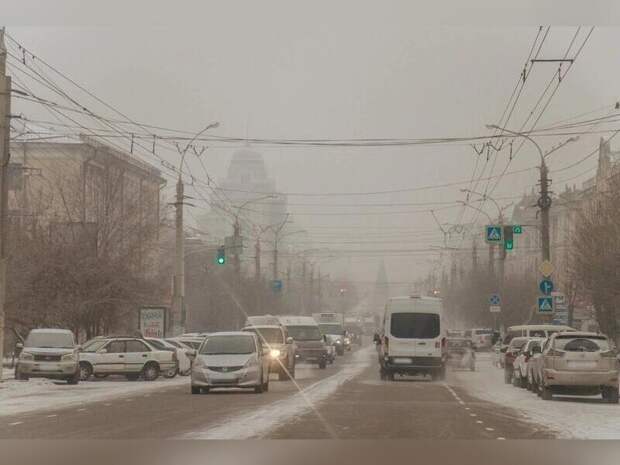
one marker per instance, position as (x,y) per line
(482,338)
(49,353)
(184,365)
(461,353)
(533,366)
(130,356)
(579,363)
(510,355)
(233,359)
(192,341)
(281,349)
(310,344)
(519,365)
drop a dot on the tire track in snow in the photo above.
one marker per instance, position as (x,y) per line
(261,422)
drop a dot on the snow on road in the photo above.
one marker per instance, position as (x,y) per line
(37,394)
(572,416)
(259,423)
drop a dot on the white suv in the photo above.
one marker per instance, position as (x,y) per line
(129,356)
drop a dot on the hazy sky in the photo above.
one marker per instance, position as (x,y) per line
(271,70)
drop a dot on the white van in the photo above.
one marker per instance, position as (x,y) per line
(411,339)
(543,331)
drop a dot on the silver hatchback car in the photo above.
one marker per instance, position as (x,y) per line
(234,359)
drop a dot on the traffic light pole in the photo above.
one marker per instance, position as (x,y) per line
(544,203)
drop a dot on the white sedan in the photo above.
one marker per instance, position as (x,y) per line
(184,367)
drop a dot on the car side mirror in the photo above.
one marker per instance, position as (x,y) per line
(536,350)
(324,338)
(289,340)
(19,346)
(103,351)
(191,354)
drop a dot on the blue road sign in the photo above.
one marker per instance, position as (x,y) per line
(494,233)
(276,285)
(546,286)
(494,299)
(545,304)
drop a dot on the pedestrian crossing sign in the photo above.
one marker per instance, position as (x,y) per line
(545,304)
(494,233)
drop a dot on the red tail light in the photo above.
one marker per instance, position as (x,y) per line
(386,343)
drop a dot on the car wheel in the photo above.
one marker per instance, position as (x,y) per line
(546,393)
(86,371)
(150,372)
(196,389)
(442,373)
(523,383)
(101,375)
(75,379)
(266,385)
(292,371)
(610,394)
(322,364)
(507,376)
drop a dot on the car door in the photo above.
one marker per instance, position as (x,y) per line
(111,358)
(137,354)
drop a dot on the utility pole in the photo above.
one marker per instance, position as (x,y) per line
(178,291)
(544,203)
(319,291)
(257,259)
(179,312)
(236,246)
(5,114)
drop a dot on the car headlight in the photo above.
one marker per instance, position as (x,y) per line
(347,340)
(338,341)
(275,353)
(26,356)
(68,357)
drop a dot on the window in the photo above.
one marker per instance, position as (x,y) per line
(220,345)
(415,325)
(581,344)
(54,340)
(304,333)
(268,335)
(537,333)
(116,347)
(137,346)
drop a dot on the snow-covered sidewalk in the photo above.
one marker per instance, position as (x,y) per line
(42,394)
(572,416)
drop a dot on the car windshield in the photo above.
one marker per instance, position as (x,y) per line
(158,344)
(458,344)
(52,340)
(414,325)
(484,331)
(331,329)
(304,333)
(268,335)
(581,344)
(223,345)
(518,343)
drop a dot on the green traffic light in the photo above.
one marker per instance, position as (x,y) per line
(221,256)
(221,260)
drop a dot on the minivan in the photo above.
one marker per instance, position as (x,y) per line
(411,340)
(310,344)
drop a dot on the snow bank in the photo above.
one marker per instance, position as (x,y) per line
(39,394)
(572,416)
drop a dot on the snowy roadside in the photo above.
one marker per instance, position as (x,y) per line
(573,417)
(261,422)
(18,397)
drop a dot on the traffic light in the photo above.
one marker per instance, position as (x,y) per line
(509,238)
(221,255)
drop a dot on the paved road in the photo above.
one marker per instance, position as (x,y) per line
(347,400)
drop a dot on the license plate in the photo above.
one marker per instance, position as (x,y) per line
(402,361)
(581,364)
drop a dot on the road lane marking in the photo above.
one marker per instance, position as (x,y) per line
(490,429)
(81,410)
(501,438)
(479,422)
(15,423)
(473,415)
(52,415)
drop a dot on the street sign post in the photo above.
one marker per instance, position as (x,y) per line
(276,285)
(560,309)
(546,286)
(495,308)
(495,303)
(517,229)
(494,234)
(545,305)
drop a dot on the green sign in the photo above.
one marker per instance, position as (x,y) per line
(517,229)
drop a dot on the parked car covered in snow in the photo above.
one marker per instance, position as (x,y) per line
(510,355)
(184,365)
(579,363)
(48,353)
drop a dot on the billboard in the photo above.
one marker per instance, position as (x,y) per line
(153,321)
